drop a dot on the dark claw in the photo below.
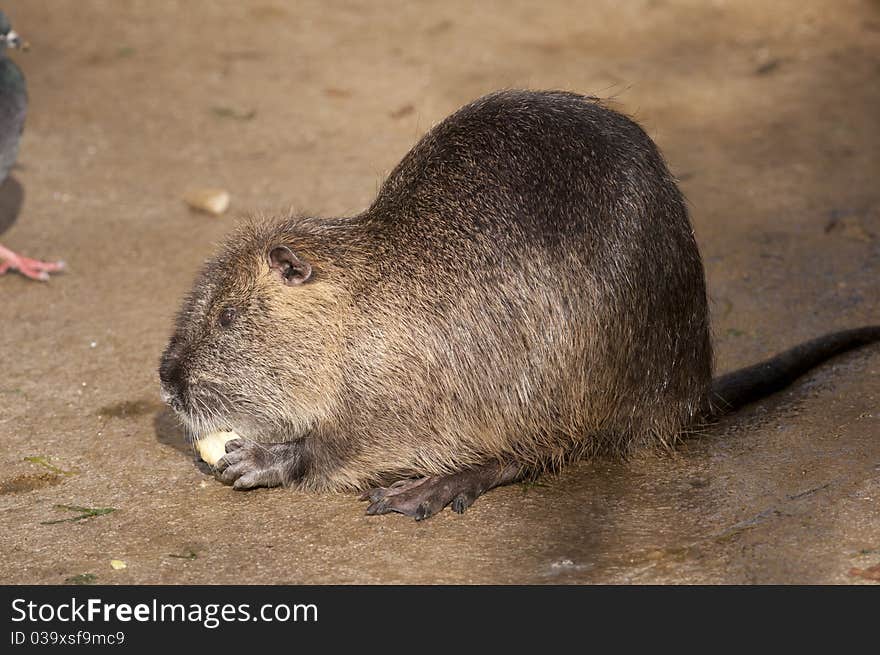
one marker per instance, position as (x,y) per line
(380,507)
(423,511)
(378,493)
(460,503)
(234,444)
(231,473)
(373,495)
(230,459)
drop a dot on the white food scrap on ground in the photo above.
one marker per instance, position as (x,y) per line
(210,201)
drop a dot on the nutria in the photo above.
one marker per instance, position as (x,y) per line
(525,290)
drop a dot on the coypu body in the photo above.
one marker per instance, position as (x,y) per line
(525,289)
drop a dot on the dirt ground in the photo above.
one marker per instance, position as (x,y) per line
(767,112)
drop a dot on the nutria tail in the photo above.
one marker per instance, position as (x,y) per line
(732,391)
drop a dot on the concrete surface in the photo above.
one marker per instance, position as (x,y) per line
(768,112)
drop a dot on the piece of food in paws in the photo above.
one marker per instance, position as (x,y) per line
(212,447)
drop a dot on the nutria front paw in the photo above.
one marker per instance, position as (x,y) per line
(248,464)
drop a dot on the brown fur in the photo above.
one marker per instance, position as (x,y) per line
(526,287)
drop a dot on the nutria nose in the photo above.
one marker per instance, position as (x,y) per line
(172,376)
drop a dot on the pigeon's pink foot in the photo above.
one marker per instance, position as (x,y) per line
(31,268)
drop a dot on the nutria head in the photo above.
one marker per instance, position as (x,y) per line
(254,342)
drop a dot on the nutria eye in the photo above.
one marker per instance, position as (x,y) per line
(227,316)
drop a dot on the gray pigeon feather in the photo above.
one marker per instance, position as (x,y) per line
(13,107)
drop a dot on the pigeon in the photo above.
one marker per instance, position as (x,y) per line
(13,106)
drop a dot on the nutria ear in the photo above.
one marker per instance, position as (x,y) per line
(291,268)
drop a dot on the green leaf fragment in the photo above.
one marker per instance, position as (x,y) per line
(44,461)
(85,513)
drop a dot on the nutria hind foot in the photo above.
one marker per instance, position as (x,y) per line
(421,498)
